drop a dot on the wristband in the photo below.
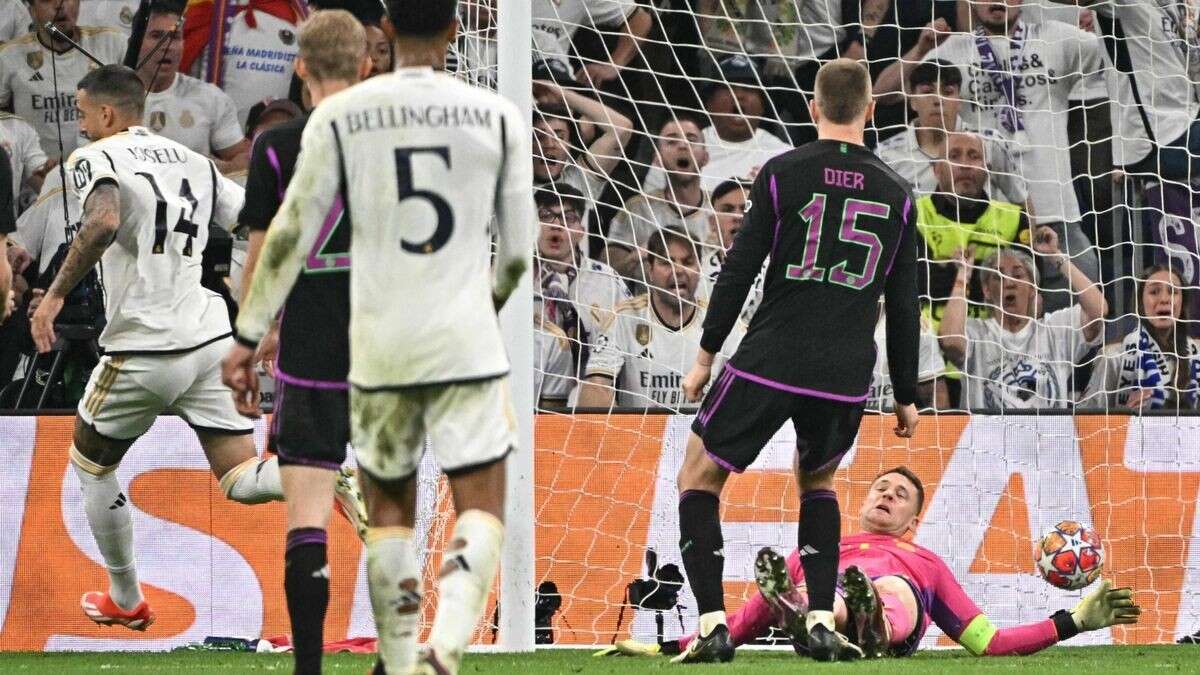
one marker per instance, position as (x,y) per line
(1064,625)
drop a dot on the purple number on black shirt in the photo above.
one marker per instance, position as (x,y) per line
(812,213)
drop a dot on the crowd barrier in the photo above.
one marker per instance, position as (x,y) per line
(604,494)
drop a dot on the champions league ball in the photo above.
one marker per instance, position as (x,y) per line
(1070,556)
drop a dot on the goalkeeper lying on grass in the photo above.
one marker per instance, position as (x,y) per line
(890,590)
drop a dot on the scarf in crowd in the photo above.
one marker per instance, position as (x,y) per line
(1145,370)
(1006,80)
(206,23)
(554,290)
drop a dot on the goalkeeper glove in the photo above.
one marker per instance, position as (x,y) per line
(1105,607)
(630,648)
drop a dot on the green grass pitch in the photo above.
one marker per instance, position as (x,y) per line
(1090,660)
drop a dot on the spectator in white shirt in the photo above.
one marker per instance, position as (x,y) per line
(1018,358)
(182,108)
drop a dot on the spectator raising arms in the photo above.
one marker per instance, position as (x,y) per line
(560,155)
(1015,359)
(1156,366)
(555,23)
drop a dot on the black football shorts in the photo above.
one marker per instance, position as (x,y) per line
(311,426)
(739,416)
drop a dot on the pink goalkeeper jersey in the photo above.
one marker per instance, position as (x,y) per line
(943,601)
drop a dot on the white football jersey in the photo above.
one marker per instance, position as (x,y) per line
(930,365)
(27,82)
(14,19)
(23,146)
(42,228)
(553,378)
(647,359)
(115,14)
(194,113)
(422,161)
(151,272)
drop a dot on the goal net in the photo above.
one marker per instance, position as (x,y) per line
(651,116)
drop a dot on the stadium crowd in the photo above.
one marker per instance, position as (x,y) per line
(1049,147)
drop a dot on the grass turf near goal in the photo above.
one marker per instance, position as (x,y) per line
(1124,659)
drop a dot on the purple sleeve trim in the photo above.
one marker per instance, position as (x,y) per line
(275,164)
(309,384)
(779,386)
(778,215)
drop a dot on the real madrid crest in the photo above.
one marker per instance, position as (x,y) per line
(642,333)
(186,120)
(286,36)
(126,16)
(35,59)
(158,120)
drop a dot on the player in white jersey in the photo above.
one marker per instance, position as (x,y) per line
(649,342)
(182,108)
(147,205)
(421,161)
(30,64)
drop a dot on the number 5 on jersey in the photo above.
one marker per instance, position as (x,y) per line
(404,183)
(813,213)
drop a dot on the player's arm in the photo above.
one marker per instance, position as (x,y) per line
(515,213)
(952,331)
(902,307)
(98,228)
(605,361)
(264,195)
(633,27)
(962,620)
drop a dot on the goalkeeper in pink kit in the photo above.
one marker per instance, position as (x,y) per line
(890,590)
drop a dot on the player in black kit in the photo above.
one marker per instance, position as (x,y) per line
(311,427)
(838,226)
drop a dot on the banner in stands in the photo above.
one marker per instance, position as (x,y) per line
(605,494)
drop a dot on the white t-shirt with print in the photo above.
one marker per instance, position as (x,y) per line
(258,61)
(1028,369)
(1053,58)
(195,114)
(24,149)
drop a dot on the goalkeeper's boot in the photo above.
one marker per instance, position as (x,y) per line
(867,626)
(787,603)
(716,647)
(635,648)
(100,608)
(349,501)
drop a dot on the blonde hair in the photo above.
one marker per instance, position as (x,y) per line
(843,90)
(333,45)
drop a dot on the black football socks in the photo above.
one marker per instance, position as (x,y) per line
(306,582)
(701,546)
(820,534)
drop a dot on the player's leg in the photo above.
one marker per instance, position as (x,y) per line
(388,436)
(824,432)
(735,421)
(472,429)
(882,613)
(118,405)
(312,429)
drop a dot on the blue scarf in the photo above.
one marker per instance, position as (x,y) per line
(1149,375)
(1006,80)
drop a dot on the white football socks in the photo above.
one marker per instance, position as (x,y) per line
(109,518)
(254,481)
(394,581)
(468,568)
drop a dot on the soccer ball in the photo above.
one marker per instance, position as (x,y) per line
(1070,556)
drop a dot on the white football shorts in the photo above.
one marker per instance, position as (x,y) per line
(127,392)
(468,425)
